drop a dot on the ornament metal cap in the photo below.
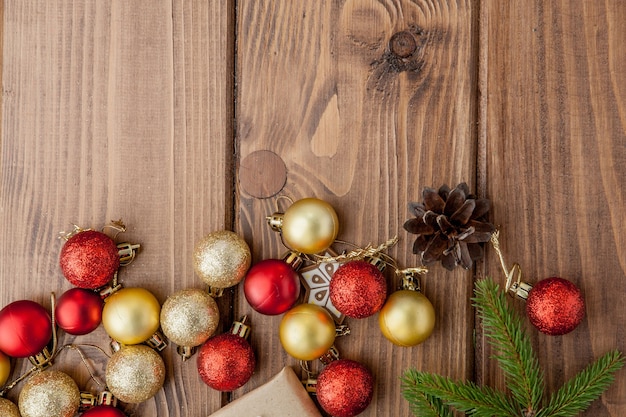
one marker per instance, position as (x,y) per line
(107,398)
(157,341)
(87,401)
(330,356)
(127,252)
(186,352)
(42,360)
(377,261)
(241,328)
(293,259)
(275,221)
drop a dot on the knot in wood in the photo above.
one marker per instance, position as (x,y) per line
(403,44)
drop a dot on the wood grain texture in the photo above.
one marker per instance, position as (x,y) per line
(315,87)
(556,147)
(117,109)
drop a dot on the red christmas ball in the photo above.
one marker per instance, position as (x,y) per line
(272,287)
(226,362)
(89,259)
(25,329)
(79,311)
(103,411)
(358,289)
(345,388)
(555,306)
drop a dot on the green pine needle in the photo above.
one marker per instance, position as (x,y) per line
(432,395)
(464,396)
(580,391)
(515,356)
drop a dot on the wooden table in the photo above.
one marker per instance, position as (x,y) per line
(154,112)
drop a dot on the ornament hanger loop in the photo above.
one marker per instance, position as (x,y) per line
(67,235)
(509,273)
(118,227)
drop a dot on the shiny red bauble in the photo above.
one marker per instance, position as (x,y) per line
(89,259)
(358,289)
(103,411)
(25,329)
(345,388)
(226,362)
(555,306)
(79,311)
(272,287)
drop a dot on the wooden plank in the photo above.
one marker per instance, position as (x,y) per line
(116,109)
(315,89)
(554,126)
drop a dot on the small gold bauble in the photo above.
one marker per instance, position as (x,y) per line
(189,317)
(407,318)
(49,394)
(310,225)
(8,409)
(135,373)
(221,259)
(5,369)
(307,331)
(131,315)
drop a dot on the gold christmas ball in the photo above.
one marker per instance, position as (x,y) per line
(8,409)
(135,373)
(407,318)
(189,317)
(310,225)
(221,259)
(49,394)
(5,369)
(307,331)
(131,315)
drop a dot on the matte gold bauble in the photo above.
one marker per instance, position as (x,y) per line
(5,369)
(189,317)
(221,259)
(310,226)
(135,374)
(8,409)
(307,331)
(49,394)
(131,315)
(407,318)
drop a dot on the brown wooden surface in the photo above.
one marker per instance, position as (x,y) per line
(149,111)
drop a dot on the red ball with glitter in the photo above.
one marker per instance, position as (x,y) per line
(25,329)
(79,311)
(345,388)
(272,287)
(226,362)
(89,259)
(103,411)
(555,306)
(358,289)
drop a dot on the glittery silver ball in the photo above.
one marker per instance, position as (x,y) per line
(221,259)
(189,317)
(49,394)
(135,373)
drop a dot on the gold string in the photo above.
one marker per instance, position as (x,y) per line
(507,272)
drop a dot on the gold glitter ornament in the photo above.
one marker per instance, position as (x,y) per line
(49,394)
(5,369)
(135,374)
(221,259)
(189,317)
(131,315)
(8,409)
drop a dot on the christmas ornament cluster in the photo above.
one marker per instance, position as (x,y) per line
(451,227)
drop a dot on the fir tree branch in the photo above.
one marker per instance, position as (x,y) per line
(464,396)
(577,393)
(422,405)
(515,355)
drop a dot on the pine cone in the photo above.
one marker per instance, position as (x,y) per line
(450,226)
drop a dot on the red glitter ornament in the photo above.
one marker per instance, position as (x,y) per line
(25,329)
(358,289)
(272,287)
(555,306)
(103,411)
(89,259)
(79,311)
(345,388)
(226,362)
